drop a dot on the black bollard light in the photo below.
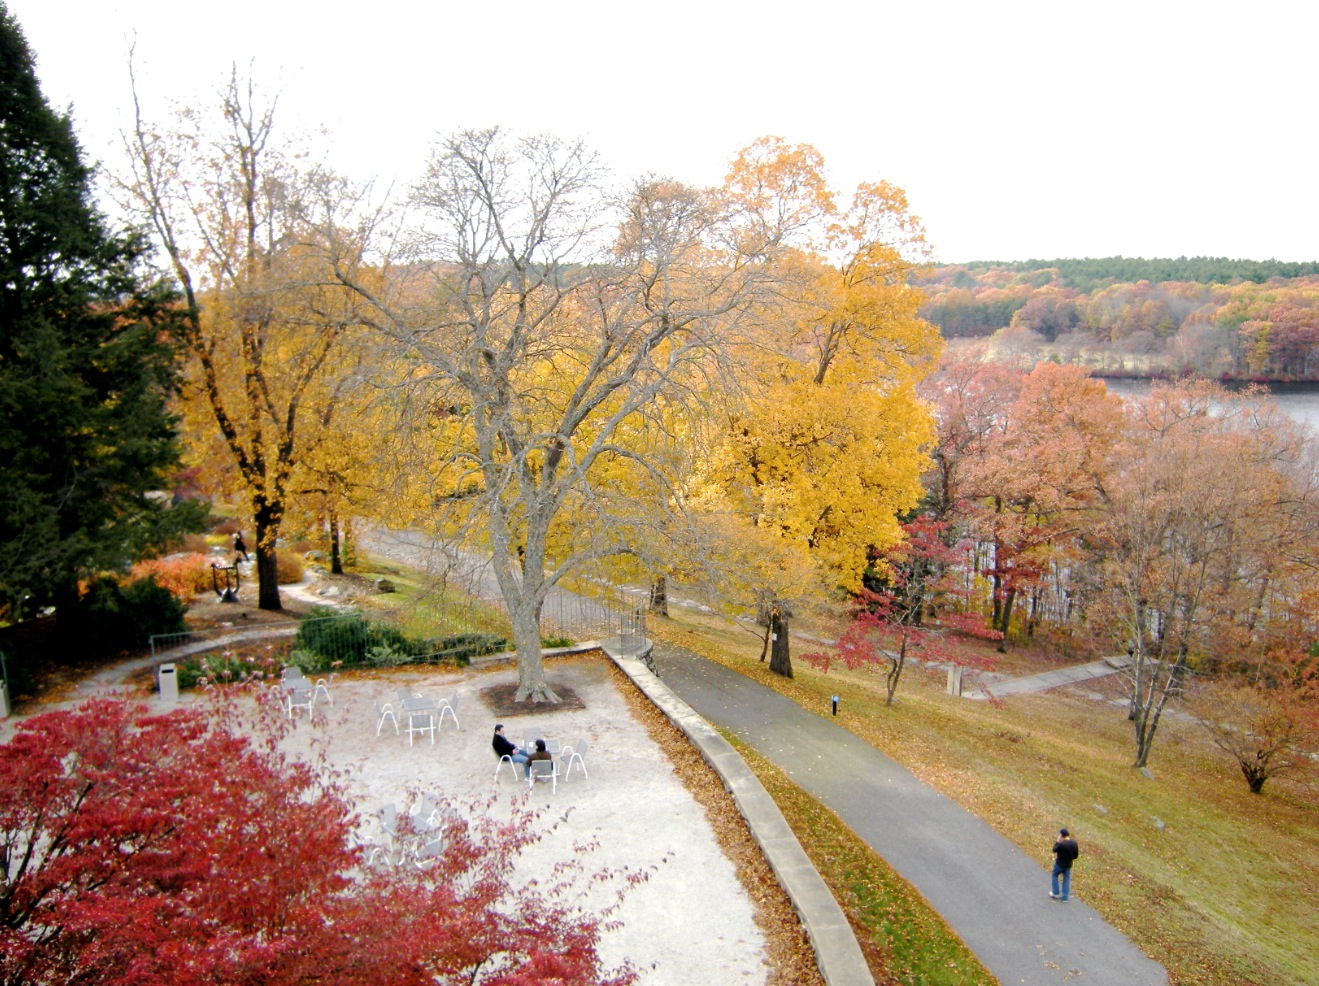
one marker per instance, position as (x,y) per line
(835,705)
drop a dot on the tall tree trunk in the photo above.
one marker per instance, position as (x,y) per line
(659,595)
(533,686)
(780,660)
(1005,617)
(336,559)
(266,524)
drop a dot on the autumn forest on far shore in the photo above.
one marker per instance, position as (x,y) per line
(1231,320)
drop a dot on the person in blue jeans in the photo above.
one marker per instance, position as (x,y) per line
(504,748)
(1065,851)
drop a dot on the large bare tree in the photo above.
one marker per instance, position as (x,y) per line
(556,342)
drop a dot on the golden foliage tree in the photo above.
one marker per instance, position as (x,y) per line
(823,443)
(241,223)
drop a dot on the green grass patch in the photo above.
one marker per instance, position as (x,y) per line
(897,929)
(424,609)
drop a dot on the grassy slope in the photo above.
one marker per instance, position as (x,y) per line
(1225,892)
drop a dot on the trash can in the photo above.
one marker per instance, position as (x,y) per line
(169,685)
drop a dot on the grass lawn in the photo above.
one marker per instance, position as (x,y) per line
(1219,885)
(423,609)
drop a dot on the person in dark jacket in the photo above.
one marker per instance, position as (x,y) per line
(540,754)
(1065,851)
(504,747)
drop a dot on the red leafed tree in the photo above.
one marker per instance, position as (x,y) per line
(888,621)
(170,849)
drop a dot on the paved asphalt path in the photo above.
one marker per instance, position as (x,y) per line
(992,894)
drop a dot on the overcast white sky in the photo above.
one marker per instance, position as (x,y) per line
(1019,130)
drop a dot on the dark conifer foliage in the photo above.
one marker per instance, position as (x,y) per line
(86,366)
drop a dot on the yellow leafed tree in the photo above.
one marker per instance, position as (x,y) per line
(268,326)
(823,445)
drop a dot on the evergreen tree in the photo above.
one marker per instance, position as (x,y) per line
(86,365)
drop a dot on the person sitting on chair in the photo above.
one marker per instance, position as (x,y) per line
(540,754)
(504,748)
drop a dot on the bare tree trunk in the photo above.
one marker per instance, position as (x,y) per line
(336,559)
(780,661)
(266,520)
(659,595)
(896,664)
(1005,617)
(533,686)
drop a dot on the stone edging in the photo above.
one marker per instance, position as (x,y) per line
(836,950)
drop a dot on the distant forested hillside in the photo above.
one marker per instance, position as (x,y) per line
(1206,316)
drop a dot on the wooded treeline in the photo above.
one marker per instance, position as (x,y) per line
(1178,527)
(1208,317)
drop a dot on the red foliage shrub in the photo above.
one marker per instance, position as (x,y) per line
(169,849)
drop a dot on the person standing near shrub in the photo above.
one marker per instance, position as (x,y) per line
(1065,851)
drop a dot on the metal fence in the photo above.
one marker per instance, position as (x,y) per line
(351,639)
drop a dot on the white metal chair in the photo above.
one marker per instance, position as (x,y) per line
(426,814)
(420,721)
(387,816)
(322,687)
(543,770)
(277,698)
(297,696)
(384,710)
(449,705)
(428,853)
(513,768)
(575,754)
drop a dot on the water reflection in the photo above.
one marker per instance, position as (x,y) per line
(1299,401)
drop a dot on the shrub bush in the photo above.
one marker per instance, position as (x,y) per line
(336,638)
(466,646)
(232,666)
(113,617)
(225,528)
(288,566)
(346,636)
(184,575)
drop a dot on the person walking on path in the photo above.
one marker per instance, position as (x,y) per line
(1065,851)
(240,549)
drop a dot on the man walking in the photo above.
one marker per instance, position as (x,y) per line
(1065,851)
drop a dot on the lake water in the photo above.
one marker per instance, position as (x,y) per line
(1299,401)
